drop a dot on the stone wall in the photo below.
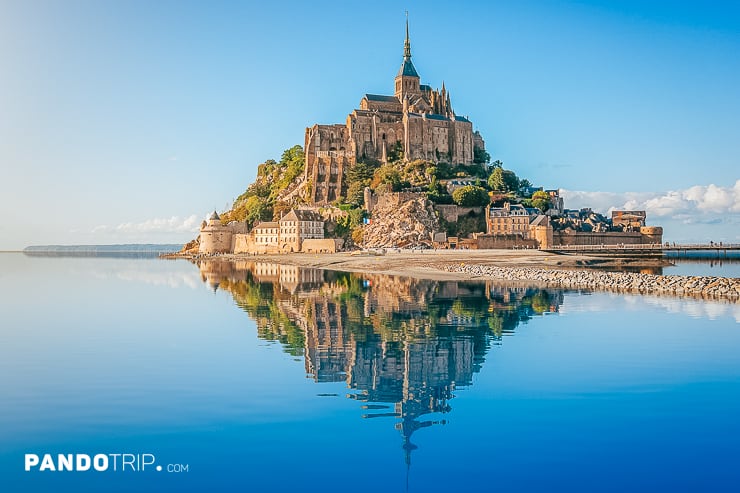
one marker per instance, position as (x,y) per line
(245,244)
(505,242)
(451,212)
(395,199)
(324,245)
(607,238)
(327,158)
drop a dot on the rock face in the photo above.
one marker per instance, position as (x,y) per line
(191,247)
(409,224)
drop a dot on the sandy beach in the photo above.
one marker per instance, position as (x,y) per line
(530,267)
(433,264)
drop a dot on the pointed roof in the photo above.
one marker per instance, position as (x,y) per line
(214,216)
(301,215)
(407,68)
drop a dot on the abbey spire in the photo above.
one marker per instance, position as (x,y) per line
(407,79)
(407,43)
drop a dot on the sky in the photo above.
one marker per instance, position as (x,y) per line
(131,121)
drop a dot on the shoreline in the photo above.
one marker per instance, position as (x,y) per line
(531,267)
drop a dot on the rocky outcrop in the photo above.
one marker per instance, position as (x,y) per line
(408,224)
(707,287)
(191,247)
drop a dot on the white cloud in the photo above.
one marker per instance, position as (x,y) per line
(173,224)
(604,302)
(700,203)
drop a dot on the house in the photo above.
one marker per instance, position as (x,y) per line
(299,225)
(507,220)
(267,235)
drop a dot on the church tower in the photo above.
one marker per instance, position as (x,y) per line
(407,80)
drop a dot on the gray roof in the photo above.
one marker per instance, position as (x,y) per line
(214,216)
(266,224)
(378,97)
(301,215)
(407,69)
(540,220)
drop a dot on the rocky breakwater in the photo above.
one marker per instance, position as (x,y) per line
(706,287)
(408,224)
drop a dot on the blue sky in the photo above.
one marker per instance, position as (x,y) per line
(130,121)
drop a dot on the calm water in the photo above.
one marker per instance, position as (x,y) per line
(725,267)
(258,377)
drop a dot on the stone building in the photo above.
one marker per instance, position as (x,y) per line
(556,203)
(511,219)
(287,235)
(267,235)
(540,230)
(297,226)
(628,220)
(416,120)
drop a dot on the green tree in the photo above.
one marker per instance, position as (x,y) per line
(444,170)
(394,153)
(265,169)
(279,209)
(288,169)
(541,200)
(470,196)
(481,156)
(358,235)
(255,210)
(359,176)
(386,178)
(437,193)
(503,180)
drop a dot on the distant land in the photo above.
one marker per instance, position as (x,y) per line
(123,250)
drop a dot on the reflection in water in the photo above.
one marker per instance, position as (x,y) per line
(684,266)
(401,345)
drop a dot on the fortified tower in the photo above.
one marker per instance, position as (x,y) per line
(214,236)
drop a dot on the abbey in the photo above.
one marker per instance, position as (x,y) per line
(417,120)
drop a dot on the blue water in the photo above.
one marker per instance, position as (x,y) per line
(705,267)
(264,378)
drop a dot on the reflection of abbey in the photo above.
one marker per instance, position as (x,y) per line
(377,332)
(416,119)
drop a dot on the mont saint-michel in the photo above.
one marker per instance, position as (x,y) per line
(405,170)
(451,276)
